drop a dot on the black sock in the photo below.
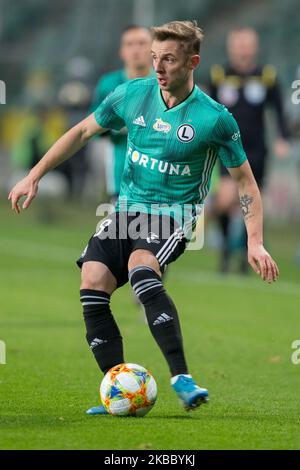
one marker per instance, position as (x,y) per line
(244,266)
(162,316)
(102,332)
(224,222)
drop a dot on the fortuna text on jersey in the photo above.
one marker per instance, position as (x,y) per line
(158,165)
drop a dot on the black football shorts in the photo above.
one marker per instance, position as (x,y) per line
(121,233)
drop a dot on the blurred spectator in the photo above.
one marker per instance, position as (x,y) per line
(74,97)
(34,131)
(246,89)
(32,139)
(135,54)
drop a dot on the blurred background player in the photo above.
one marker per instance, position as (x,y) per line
(246,89)
(74,97)
(135,54)
(48,113)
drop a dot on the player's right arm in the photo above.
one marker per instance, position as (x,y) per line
(109,115)
(64,148)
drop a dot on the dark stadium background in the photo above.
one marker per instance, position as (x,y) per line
(239,331)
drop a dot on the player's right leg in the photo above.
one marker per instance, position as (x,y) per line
(102,333)
(102,272)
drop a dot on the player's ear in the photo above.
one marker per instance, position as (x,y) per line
(194,61)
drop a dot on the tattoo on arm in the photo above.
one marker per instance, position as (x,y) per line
(246,201)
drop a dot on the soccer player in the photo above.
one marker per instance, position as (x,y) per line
(246,89)
(175,135)
(135,53)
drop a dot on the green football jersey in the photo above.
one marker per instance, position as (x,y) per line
(171,152)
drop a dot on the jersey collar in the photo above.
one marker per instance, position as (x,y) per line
(179,105)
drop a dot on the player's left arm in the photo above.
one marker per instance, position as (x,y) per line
(226,135)
(251,205)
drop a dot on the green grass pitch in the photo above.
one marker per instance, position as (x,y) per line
(238,334)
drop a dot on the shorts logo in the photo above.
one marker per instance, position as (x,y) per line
(185,133)
(152,237)
(102,226)
(161,126)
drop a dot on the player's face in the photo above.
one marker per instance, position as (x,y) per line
(242,48)
(135,48)
(172,65)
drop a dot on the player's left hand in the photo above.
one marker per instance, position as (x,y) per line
(262,263)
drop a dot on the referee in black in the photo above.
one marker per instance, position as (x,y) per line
(246,89)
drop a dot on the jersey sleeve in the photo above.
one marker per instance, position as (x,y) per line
(227,138)
(110,113)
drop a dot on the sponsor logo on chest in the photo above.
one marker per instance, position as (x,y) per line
(185,132)
(161,126)
(154,164)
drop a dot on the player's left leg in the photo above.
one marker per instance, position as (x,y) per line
(163,320)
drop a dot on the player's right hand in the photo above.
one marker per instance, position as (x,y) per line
(26,187)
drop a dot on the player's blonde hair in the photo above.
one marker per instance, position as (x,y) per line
(187,32)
